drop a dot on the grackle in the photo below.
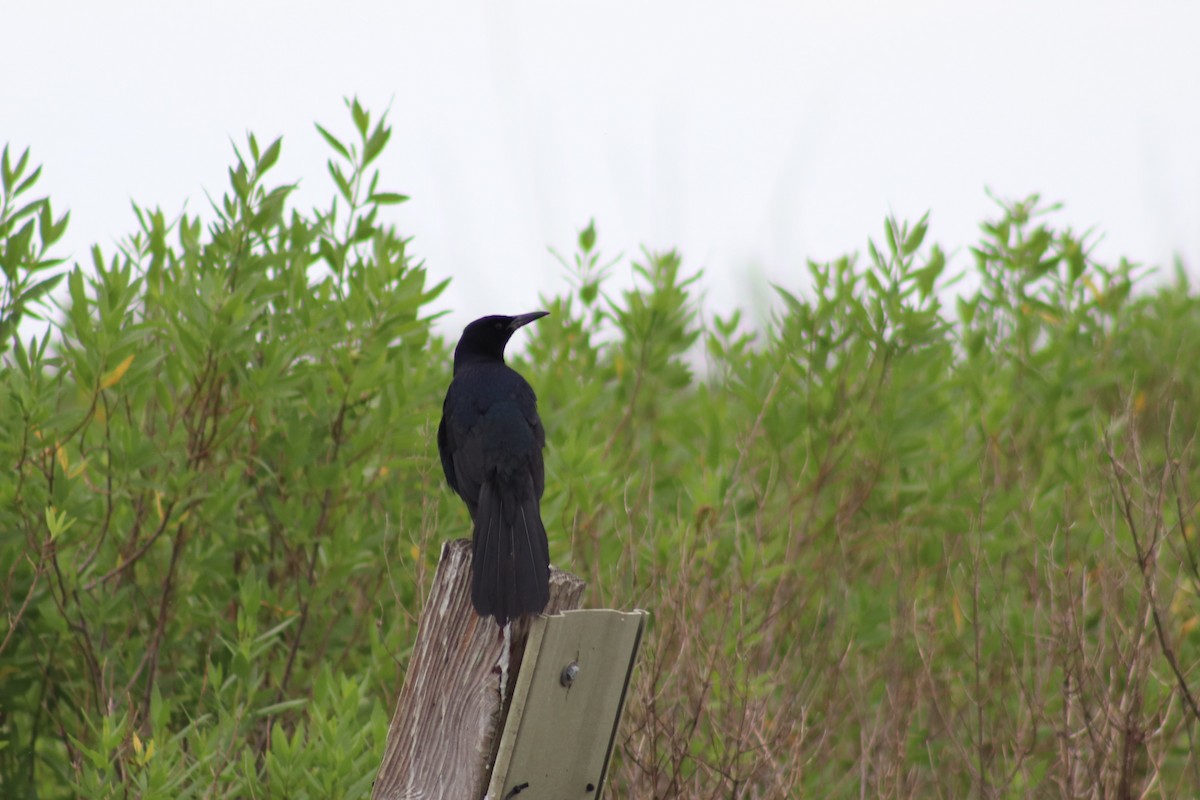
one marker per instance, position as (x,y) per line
(490,440)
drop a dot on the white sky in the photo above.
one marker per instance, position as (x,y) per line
(750,135)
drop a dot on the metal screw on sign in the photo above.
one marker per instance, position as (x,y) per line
(569,674)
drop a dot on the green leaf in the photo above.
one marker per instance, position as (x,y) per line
(240,182)
(38,290)
(57,229)
(1076,262)
(30,181)
(285,705)
(18,243)
(873,283)
(58,523)
(362,120)
(343,183)
(917,236)
(9,174)
(587,237)
(927,276)
(792,301)
(6,176)
(877,257)
(376,143)
(334,143)
(21,163)
(269,157)
(27,210)
(388,198)
(975,342)
(966,311)
(75,283)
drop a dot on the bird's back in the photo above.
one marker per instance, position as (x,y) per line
(490,427)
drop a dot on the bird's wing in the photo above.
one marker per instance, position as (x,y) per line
(536,468)
(446,447)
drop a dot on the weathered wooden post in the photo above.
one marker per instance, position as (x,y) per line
(468,682)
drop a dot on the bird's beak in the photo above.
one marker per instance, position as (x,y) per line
(522,320)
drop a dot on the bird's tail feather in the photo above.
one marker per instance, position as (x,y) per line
(511,563)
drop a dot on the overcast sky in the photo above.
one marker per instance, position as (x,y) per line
(750,135)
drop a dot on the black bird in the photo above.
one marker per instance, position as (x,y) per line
(491,440)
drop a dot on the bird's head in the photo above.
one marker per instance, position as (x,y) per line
(486,337)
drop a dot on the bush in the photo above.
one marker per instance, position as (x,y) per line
(888,549)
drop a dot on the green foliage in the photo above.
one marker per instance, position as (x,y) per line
(890,548)
(28,230)
(210,464)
